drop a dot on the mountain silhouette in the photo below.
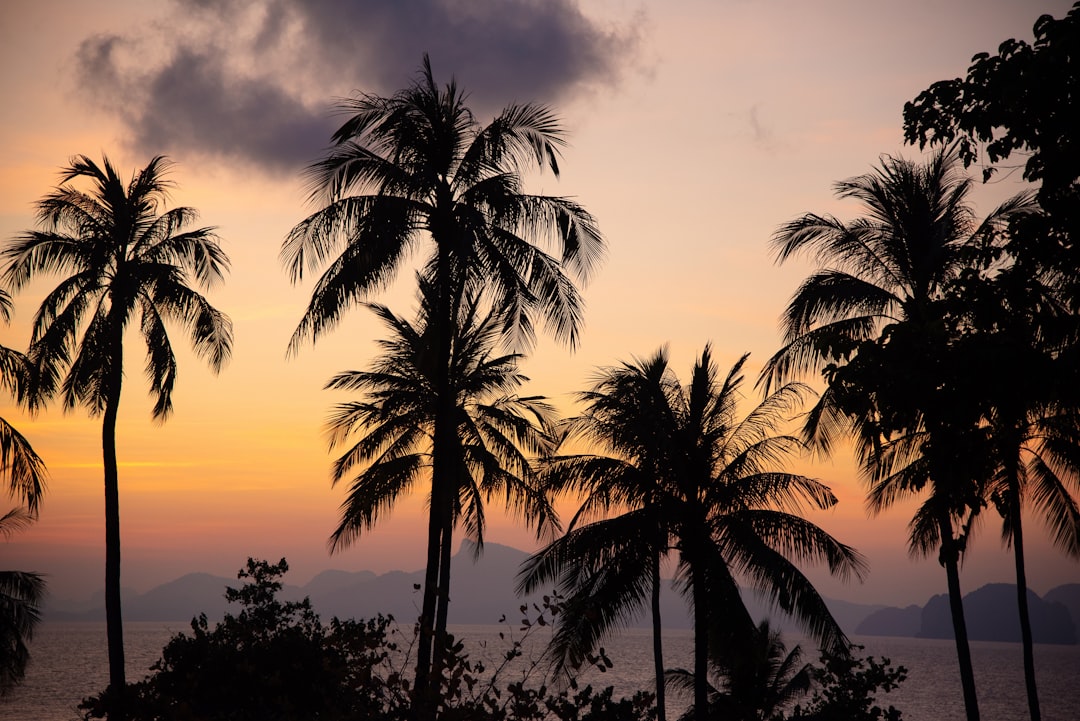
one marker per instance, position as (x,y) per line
(991,615)
(481,592)
(1068,596)
(892,621)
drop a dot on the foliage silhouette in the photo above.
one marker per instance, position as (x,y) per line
(757,678)
(875,321)
(1024,99)
(21,592)
(119,260)
(417,165)
(728,511)
(847,688)
(274,660)
(277,661)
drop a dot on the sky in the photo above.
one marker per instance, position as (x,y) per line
(696,128)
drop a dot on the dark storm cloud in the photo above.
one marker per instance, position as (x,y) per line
(254,81)
(500,49)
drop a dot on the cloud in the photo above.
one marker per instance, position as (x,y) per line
(253,81)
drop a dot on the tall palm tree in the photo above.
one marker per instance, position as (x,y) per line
(627,416)
(1022,332)
(417,166)
(120,261)
(1039,467)
(729,511)
(872,319)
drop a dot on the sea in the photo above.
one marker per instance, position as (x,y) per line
(69,664)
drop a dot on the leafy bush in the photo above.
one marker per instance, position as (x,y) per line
(847,689)
(276,661)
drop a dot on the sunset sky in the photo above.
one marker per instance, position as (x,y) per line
(696,129)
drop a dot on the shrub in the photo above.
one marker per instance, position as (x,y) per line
(276,661)
(847,689)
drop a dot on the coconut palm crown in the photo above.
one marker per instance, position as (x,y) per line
(499,431)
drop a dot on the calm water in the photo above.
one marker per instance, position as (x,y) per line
(70,663)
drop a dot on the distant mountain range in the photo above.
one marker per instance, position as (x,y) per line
(482,592)
(990,613)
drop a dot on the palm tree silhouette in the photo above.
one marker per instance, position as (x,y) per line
(21,596)
(757,679)
(1022,333)
(611,563)
(727,510)
(417,165)
(21,592)
(23,468)
(498,432)
(1039,464)
(872,319)
(119,260)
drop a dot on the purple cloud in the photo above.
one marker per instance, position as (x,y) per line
(254,81)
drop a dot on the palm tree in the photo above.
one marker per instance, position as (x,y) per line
(498,431)
(417,165)
(1021,332)
(21,592)
(757,679)
(729,512)
(873,320)
(627,415)
(119,260)
(24,469)
(21,595)
(1040,470)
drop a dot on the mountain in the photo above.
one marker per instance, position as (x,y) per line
(892,621)
(990,613)
(482,592)
(1068,596)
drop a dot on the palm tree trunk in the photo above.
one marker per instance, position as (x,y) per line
(658,648)
(950,558)
(442,603)
(113,617)
(1022,605)
(701,646)
(421,702)
(426,683)
(442,469)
